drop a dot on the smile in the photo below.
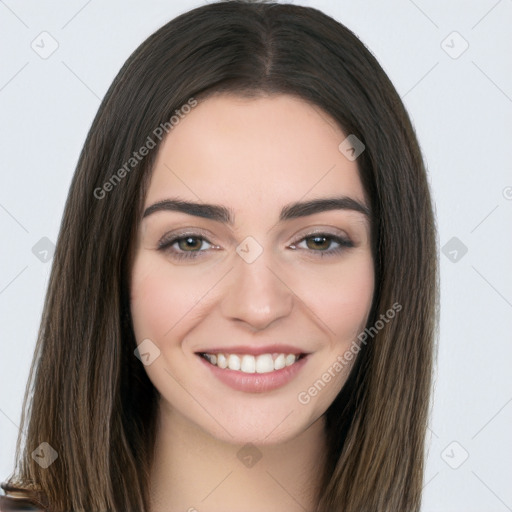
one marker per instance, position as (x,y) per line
(253,373)
(248,363)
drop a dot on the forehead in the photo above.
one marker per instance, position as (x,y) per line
(261,152)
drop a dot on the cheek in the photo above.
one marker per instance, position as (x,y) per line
(153,288)
(342,300)
(149,295)
(341,296)
(352,299)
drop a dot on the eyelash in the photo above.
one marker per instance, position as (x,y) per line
(165,245)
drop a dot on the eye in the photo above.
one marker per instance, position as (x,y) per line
(188,245)
(322,243)
(194,245)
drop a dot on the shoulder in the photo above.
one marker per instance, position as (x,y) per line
(17,499)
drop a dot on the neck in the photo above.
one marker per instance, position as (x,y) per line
(195,472)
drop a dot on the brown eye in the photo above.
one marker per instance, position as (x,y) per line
(318,242)
(185,246)
(192,243)
(323,244)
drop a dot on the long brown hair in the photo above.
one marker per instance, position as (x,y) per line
(89,397)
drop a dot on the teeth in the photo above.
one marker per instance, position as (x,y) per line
(290,359)
(233,362)
(222,362)
(280,362)
(248,364)
(264,363)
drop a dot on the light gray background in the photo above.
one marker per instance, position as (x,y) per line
(461,106)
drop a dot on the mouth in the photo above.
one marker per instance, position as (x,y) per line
(253,373)
(248,363)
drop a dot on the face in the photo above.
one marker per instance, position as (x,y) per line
(247,287)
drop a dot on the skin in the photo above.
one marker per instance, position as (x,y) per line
(253,156)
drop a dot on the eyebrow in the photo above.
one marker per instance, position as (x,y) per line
(290,211)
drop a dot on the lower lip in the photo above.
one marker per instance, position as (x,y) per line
(256,382)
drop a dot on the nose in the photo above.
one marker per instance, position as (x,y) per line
(256,294)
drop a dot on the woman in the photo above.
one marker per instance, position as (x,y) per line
(242,305)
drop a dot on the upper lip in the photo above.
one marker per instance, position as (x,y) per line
(254,350)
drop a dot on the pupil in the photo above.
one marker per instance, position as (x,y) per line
(189,243)
(319,242)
